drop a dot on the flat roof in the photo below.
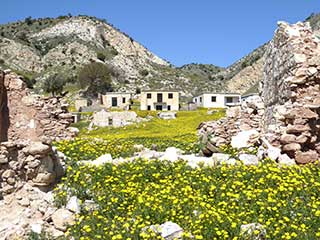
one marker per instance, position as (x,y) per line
(155,90)
(115,93)
(218,93)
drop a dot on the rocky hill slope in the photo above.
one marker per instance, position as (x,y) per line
(38,48)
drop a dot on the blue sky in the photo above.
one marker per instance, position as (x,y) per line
(180,31)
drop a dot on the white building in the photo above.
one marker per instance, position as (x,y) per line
(116,100)
(217,100)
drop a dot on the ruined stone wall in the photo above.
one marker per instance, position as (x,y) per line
(28,125)
(289,118)
(291,92)
(33,117)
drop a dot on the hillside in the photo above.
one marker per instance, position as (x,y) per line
(38,48)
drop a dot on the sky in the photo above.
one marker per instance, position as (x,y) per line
(180,31)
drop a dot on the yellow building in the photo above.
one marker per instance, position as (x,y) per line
(159,100)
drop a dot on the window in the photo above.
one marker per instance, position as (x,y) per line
(149,95)
(170,95)
(195,100)
(229,99)
(169,108)
(159,97)
(200,99)
(159,107)
(149,107)
(110,121)
(124,100)
(114,101)
(213,99)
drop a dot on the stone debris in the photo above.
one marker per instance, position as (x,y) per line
(113,119)
(168,230)
(285,119)
(74,205)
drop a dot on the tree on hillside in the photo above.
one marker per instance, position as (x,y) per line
(54,84)
(96,78)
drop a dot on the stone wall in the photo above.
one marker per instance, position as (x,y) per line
(28,125)
(287,114)
(33,117)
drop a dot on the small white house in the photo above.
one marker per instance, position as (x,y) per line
(116,100)
(217,100)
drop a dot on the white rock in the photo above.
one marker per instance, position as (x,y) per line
(220,158)
(107,158)
(36,228)
(167,115)
(284,159)
(248,159)
(171,154)
(170,230)
(242,139)
(194,161)
(74,205)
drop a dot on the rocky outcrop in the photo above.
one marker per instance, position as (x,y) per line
(287,114)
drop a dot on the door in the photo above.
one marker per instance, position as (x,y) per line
(114,102)
(159,97)
(159,107)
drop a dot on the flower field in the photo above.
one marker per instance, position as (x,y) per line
(208,203)
(180,133)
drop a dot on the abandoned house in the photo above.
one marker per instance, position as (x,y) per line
(217,100)
(116,100)
(159,100)
(113,119)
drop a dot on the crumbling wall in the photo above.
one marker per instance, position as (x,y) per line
(32,117)
(291,92)
(28,125)
(289,117)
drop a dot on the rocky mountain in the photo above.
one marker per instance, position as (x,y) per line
(38,48)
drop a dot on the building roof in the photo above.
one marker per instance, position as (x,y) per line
(159,90)
(116,93)
(218,93)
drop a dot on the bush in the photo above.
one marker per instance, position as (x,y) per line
(96,78)
(54,84)
(144,72)
(101,56)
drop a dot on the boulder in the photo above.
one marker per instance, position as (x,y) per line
(106,158)
(306,157)
(63,218)
(221,158)
(37,148)
(167,115)
(168,230)
(284,159)
(249,159)
(171,154)
(243,139)
(74,205)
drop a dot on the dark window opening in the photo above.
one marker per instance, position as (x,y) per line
(159,97)
(229,100)
(149,95)
(213,99)
(124,100)
(169,108)
(170,95)
(114,102)
(159,107)
(149,107)
(200,99)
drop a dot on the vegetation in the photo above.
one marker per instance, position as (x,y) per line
(96,78)
(54,84)
(208,203)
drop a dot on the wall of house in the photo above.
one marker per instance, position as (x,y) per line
(219,103)
(106,100)
(173,103)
